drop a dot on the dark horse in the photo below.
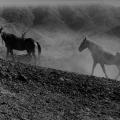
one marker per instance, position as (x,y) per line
(12,42)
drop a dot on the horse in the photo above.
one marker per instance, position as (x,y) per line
(100,56)
(12,42)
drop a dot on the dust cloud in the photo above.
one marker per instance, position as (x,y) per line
(69,58)
(61,52)
(60,37)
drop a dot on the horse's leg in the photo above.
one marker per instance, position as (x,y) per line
(29,54)
(33,53)
(7,53)
(103,68)
(11,51)
(93,67)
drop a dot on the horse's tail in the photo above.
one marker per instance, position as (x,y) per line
(39,48)
(3,36)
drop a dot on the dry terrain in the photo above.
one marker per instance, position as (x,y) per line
(59,86)
(37,93)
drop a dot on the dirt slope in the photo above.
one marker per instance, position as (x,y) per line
(36,93)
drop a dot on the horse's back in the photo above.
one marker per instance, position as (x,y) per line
(100,55)
(19,44)
(29,43)
(108,56)
(13,42)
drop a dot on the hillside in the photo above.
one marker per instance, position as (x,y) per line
(36,93)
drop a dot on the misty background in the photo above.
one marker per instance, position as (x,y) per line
(60,29)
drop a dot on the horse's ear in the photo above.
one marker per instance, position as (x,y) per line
(85,38)
(1,27)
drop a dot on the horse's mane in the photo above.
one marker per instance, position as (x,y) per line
(12,36)
(94,44)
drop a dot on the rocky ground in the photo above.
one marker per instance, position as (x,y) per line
(36,93)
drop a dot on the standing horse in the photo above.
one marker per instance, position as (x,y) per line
(100,56)
(12,42)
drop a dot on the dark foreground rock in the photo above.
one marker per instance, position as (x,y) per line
(35,93)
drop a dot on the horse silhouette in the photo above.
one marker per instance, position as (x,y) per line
(100,56)
(12,42)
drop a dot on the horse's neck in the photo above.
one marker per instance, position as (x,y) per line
(92,46)
(3,34)
(94,49)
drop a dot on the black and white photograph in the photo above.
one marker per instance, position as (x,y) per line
(59,60)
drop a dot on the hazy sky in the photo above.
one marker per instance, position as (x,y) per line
(36,2)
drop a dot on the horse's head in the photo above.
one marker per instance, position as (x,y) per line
(1,28)
(83,45)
